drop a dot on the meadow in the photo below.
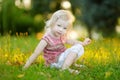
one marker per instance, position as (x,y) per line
(101,58)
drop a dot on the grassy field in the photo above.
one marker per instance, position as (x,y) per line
(101,58)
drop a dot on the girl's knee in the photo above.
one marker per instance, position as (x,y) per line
(73,54)
(79,49)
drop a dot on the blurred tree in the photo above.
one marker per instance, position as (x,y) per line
(11,17)
(4,15)
(40,6)
(14,19)
(99,14)
(45,7)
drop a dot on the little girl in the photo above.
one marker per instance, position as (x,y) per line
(52,43)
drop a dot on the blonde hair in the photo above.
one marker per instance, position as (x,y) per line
(60,14)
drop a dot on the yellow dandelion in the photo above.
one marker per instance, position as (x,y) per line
(108,74)
(6,55)
(20,75)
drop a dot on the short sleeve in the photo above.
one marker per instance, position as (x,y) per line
(48,39)
(64,39)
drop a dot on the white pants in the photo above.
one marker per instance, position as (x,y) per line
(78,48)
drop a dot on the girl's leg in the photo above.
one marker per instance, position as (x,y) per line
(70,59)
(67,58)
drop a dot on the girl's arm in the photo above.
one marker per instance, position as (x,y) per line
(84,43)
(42,44)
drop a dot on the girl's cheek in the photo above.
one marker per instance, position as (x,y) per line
(64,32)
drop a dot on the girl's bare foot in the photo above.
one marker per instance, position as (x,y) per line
(73,71)
(79,66)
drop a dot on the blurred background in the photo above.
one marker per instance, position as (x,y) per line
(94,18)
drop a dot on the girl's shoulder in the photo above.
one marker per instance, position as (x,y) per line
(64,39)
(46,37)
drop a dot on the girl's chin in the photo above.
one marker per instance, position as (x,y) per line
(57,35)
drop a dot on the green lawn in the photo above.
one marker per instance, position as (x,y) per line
(101,58)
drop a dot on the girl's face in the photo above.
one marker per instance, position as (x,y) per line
(60,28)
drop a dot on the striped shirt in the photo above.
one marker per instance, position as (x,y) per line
(55,46)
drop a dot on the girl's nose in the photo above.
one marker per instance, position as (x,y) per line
(60,29)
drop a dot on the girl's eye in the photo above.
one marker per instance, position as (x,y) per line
(59,25)
(65,28)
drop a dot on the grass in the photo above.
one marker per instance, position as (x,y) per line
(101,58)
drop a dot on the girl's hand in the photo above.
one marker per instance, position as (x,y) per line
(87,41)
